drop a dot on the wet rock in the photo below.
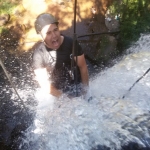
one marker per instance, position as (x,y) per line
(112,22)
(101,49)
(4,19)
(106,48)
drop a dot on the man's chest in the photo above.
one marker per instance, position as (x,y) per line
(57,58)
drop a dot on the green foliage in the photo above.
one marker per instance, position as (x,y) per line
(7,6)
(134,19)
(103,49)
(3,30)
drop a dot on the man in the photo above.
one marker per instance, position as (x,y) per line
(52,59)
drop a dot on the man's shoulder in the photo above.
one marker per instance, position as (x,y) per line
(68,39)
(39,47)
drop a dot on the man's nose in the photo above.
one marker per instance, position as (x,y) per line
(53,34)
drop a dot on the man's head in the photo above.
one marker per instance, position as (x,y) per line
(43,20)
(47,26)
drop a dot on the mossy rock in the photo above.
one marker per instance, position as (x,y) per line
(106,47)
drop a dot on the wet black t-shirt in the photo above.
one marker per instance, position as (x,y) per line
(57,62)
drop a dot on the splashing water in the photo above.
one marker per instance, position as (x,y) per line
(107,121)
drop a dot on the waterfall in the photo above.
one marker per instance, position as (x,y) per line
(108,121)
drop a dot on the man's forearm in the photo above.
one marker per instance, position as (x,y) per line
(49,88)
(54,91)
(43,80)
(84,77)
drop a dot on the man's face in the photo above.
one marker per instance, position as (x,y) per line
(51,35)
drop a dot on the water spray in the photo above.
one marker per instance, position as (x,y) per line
(13,86)
(135,83)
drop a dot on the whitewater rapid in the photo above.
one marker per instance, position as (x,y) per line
(108,121)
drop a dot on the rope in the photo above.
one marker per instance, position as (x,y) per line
(99,33)
(136,82)
(73,67)
(13,86)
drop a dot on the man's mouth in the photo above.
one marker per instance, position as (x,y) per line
(55,42)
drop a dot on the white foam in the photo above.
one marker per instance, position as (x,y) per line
(107,119)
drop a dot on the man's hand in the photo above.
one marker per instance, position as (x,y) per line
(54,91)
(43,80)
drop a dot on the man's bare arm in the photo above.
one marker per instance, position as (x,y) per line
(83,70)
(43,80)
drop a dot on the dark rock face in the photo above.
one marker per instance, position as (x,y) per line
(14,118)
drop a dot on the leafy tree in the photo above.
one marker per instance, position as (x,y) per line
(134,19)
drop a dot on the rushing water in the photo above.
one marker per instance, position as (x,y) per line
(108,121)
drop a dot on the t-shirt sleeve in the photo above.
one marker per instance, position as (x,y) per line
(37,61)
(79,50)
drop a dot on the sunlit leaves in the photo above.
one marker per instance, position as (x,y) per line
(134,19)
(7,6)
